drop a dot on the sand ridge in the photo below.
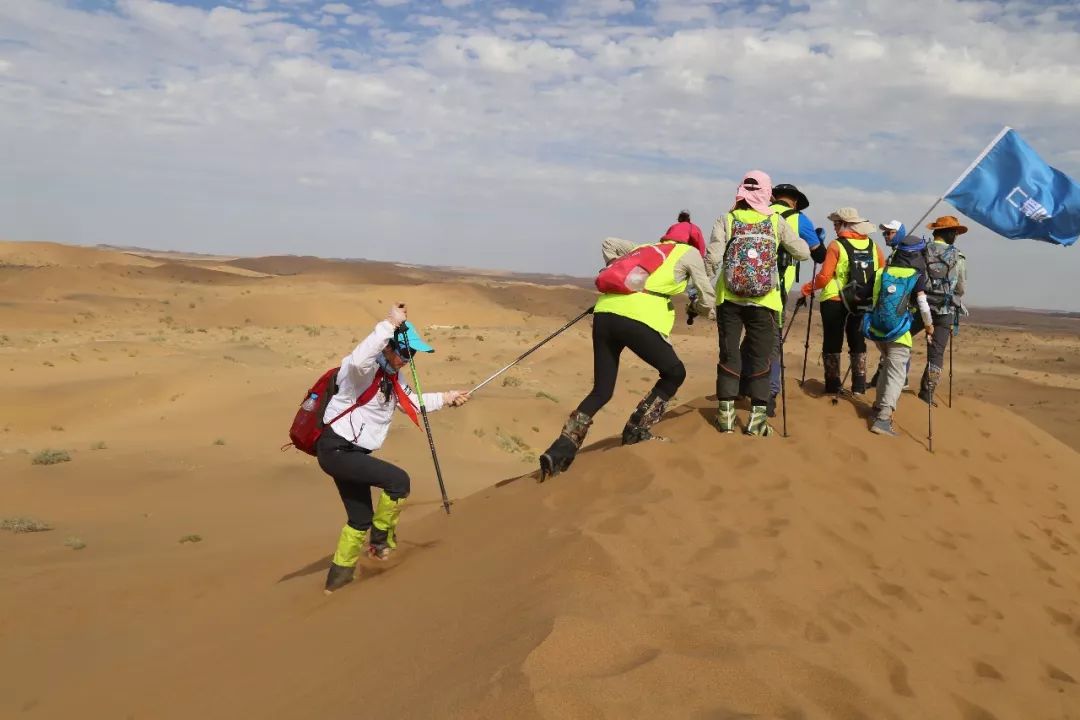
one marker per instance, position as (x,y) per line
(832,574)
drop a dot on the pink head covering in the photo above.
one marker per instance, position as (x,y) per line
(759,196)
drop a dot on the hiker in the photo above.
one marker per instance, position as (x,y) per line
(946,269)
(896,237)
(744,250)
(345,447)
(890,325)
(846,282)
(684,231)
(789,202)
(641,321)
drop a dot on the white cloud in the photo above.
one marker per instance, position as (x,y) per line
(454,4)
(391,3)
(561,128)
(337,9)
(518,15)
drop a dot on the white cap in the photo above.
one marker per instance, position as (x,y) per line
(892,225)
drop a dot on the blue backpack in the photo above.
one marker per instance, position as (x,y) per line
(891,317)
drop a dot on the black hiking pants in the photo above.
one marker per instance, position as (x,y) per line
(760,324)
(611,335)
(836,322)
(355,472)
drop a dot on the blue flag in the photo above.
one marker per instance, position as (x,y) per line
(1012,191)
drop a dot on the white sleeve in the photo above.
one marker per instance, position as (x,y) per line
(924,309)
(614,247)
(433,402)
(363,357)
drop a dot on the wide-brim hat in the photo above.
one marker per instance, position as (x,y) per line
(851,216)
(789,190)
(948,222)
(406,338)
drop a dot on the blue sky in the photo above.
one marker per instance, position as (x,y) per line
(516,134)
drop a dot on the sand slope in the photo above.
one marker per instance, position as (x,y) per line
(832,574)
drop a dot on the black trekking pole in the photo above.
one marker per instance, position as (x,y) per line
(791,321)
(534,348)
(952,334)
(427,424)
(809,321)
(783,379)
(930,407)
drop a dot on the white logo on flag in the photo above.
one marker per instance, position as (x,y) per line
(1031,208)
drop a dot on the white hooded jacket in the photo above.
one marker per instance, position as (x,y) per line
(367,425)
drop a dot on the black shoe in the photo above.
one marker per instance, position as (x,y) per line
(925,396)
(557,458)
(858,384)
(770,406)
(379,544)
(337,578)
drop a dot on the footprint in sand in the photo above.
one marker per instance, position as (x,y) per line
(898,676)
(971,711)
(1056,673)
(986,670)
(815,633)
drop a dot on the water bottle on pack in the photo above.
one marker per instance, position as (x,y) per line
(310,404)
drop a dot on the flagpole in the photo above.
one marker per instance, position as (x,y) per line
(972,166)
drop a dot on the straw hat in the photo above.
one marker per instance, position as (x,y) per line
(850,216)
(948,222)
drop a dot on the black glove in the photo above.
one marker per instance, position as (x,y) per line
(801,301)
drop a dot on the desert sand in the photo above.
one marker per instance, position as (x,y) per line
(830,574)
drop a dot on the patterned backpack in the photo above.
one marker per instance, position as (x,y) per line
(750,258)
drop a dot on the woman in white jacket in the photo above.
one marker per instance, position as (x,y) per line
(345,447)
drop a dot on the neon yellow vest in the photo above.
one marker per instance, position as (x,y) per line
(793,223)
(656,312)
(770,300)
(843,268)
(904,339)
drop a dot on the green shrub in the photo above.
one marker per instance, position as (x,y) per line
(23,524)
(51,457)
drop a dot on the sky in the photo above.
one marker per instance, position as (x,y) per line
(517,135)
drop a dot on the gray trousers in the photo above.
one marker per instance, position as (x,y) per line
(940,343)
(894,361)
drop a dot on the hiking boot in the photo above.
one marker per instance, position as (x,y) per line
(759,422)
(383,538)
(858,373)
(770,407)
(883,426)
(380,548)
(832,373)
(337,578)
(927,398)
(648,413)
(562,452)
(725,416)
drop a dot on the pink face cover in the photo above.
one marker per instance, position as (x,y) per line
(759,198)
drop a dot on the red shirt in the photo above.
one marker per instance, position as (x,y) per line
(686,232)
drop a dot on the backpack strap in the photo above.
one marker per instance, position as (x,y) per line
(788,213)
(363,399)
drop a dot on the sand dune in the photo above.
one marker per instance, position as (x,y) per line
(831,574)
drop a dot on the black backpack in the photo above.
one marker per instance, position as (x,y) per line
(858,294)
(783,257)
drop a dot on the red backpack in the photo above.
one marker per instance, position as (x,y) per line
(308,424)
(628,274)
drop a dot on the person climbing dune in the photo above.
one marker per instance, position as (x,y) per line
(368,380)
(635,312)
(743,256)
